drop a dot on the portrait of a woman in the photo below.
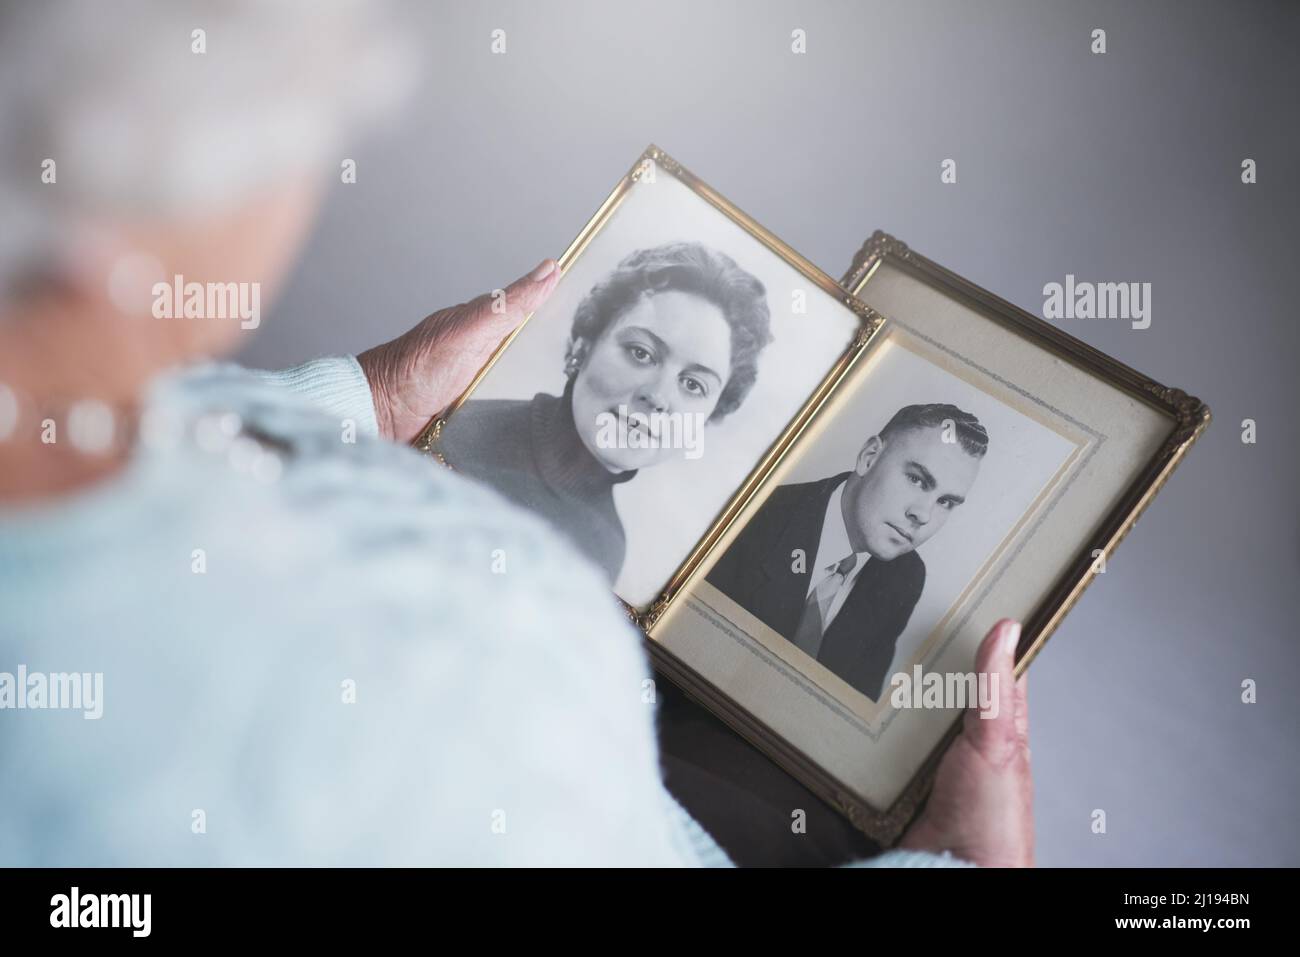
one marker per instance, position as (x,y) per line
(672,331)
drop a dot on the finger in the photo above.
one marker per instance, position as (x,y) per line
(510,306)
(994,735)
(1021,689)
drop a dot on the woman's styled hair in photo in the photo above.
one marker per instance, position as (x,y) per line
(692,268)
(972,435)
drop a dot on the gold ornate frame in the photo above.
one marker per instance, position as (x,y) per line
(655,161)
(1189,416)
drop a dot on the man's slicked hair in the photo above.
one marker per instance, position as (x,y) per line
(972,435)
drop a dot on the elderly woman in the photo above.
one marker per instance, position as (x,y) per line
(673,331)
(287,621)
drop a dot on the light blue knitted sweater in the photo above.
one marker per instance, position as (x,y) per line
(319,650)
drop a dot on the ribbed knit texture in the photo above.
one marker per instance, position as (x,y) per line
(335,385)
(347,655)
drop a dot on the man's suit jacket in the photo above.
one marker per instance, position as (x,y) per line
(758,573)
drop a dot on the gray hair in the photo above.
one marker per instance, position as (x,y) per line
(140,125)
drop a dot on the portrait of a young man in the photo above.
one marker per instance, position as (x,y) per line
(832,564)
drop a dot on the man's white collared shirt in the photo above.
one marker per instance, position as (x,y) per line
(832,548)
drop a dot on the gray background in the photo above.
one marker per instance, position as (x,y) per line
(1116,167)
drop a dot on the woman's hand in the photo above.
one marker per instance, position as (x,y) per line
(420,373)
(981,808)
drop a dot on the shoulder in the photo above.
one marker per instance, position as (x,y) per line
(788,496)
(495,414)
(909,571)
(801,497)
(805,491)
(489,430)
(358,567)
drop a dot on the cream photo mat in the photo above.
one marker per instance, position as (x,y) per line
(1021,487)
(1124,434)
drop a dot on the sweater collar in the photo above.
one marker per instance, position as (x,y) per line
(563,461)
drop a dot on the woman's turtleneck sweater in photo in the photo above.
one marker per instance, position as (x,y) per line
(530,451)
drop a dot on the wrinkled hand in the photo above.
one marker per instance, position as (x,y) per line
(981,808)
(417,375)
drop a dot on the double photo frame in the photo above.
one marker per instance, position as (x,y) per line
(805,492)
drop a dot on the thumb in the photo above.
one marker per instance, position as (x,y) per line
(510,306)
(996,737)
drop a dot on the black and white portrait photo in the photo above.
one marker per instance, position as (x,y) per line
(629,409)
(859,531)
(887,516)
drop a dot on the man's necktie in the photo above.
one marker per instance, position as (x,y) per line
(808,636)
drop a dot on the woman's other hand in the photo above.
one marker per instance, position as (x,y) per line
(417,375)
(981,808)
